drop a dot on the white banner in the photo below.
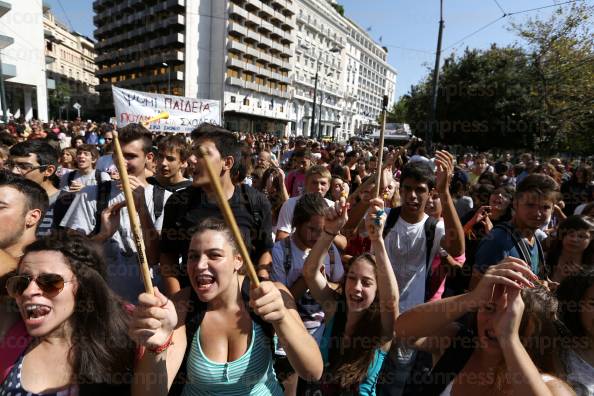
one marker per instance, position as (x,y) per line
(185,114)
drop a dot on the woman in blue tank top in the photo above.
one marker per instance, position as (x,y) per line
(360,322)
(218,334)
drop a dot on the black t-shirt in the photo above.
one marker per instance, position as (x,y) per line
(174,187)
(186,208)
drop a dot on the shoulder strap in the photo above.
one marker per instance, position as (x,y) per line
(71,176)
(518,241)
(158,200)
(103,193)
(98,176)
(391,220)
(429,227)
(288,255)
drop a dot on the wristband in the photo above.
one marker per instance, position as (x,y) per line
(163,347)
(331,234)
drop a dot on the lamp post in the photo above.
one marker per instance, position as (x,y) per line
(321,104)
(168,77)
(312,131)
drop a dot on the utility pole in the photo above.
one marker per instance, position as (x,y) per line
(312,132)
(3,96)
(432,127)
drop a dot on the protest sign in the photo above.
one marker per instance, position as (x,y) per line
(185,114)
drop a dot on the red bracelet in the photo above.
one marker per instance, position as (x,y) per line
(161,348)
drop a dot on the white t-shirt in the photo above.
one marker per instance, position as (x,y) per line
(86,180)
(406,247)
(285,215)
(123,273)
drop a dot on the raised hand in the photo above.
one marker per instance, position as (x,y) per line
(509,308)
(110,219)
(153,320)
(267,302)
(444,170)
(375,219)
(336,217)
(511,272)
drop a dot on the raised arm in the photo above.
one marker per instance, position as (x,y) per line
(386,280)
(453,241)
(428,319)
(335,218)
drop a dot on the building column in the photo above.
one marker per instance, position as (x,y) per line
(28,113)
(41,102)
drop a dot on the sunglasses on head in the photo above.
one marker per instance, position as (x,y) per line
(50,284)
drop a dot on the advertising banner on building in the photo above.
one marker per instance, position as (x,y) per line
(185,114)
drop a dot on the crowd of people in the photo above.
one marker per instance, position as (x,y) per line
(461,273)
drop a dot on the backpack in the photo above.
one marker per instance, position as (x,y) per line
(65,199)
(429,227)
(196,311)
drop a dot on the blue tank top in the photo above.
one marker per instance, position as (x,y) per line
(251,374)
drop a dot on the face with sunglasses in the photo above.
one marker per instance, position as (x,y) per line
(44,290)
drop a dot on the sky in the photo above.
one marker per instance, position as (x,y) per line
(407,27)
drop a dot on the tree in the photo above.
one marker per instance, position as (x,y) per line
(59,97)
(482,100)
(562,64)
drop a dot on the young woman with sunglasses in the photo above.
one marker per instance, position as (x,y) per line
(77,327)
(218,333)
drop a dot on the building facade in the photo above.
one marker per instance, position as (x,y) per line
(235,51)
(258,57)
(23,59)
(70,70)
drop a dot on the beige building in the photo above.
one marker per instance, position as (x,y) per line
(71,69)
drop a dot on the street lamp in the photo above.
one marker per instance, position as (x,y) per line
(312,132)
(321,104)
(168,77)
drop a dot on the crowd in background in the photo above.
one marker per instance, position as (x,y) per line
(469,272)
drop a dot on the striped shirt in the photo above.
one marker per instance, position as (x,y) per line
(251,374)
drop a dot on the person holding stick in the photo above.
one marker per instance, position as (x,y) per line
(217,335)
(188,207)
(100,212)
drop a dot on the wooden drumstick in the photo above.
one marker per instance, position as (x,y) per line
(229,218)
(133,214)
(381,147)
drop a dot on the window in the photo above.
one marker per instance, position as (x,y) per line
(233,99)
(246,102)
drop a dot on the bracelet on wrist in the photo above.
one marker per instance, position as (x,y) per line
(163,347)
(331,234)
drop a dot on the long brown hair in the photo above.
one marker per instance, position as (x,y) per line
(351,360)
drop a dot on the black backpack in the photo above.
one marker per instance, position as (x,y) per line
(195,315)
(429,227)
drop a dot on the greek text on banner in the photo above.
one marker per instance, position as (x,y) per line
(185,114)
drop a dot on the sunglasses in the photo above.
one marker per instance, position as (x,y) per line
(50,284)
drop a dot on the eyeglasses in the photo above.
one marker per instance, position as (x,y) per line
(23,168)
(50,284)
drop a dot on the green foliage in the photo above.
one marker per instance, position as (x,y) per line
(339,8)
(540,95)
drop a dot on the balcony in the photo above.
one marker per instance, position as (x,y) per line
(235,81)
(264,89)
(265,42)
(266,26)
(251,85)
(252,5)
(237,28)
(253,35)
(236,46)
(251,68)
(266,10)
(234,9)
(236,63)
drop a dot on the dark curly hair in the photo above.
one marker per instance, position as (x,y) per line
(101,352)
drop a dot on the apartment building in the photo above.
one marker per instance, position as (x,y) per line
(23,61)
(369,78)
(71,68)
(321,41)
(235,51)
